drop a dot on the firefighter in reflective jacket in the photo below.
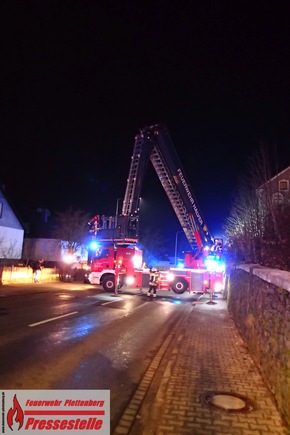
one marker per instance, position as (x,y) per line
(153,282)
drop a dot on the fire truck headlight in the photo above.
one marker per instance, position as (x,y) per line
(130,280)
(170,276)
(218,287)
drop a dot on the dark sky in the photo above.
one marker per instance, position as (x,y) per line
(79,78)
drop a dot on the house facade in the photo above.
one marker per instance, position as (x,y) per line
(11,231)
(277,188)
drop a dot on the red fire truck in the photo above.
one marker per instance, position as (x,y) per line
(118,261)
(203,269)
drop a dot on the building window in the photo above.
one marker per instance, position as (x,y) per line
(283,185)
(1,209)
(277,198)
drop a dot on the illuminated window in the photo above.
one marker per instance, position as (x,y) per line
(283,185)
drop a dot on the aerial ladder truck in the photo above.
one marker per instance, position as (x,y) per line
(154,144)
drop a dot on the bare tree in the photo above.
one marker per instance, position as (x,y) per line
(71,229)
(262,167)
(243,227)
(152,241)
(257,228)
(9,249)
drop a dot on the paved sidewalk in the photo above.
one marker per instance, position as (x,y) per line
(202,382)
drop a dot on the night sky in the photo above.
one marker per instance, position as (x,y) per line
(79,78)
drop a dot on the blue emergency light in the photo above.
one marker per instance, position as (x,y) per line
(214,265)
(94,245)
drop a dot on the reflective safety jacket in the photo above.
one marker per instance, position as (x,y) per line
(154,278)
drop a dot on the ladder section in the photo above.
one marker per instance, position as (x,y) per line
(139,161)
(133,177)
(166,178)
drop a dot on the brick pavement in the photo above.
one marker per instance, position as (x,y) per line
(204,355)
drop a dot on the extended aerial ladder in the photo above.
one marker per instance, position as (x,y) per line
(121,233)
(154,143)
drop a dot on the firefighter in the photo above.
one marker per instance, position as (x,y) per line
(153,282)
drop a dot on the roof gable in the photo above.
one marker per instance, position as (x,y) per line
(8,217)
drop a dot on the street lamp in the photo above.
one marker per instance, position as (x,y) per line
(117,211)
(175,255)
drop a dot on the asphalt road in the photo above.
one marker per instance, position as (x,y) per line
(73,336)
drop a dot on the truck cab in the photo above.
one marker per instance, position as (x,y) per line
(115,263)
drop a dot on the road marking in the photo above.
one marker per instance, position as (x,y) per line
(53,318)
(111,302)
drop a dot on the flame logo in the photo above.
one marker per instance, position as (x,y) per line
(17,411)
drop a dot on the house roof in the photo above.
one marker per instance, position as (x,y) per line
(276,176)
(4,194)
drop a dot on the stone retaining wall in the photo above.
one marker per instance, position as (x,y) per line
(259,302)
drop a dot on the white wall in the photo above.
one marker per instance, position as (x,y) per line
(49,250)
(11,242)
